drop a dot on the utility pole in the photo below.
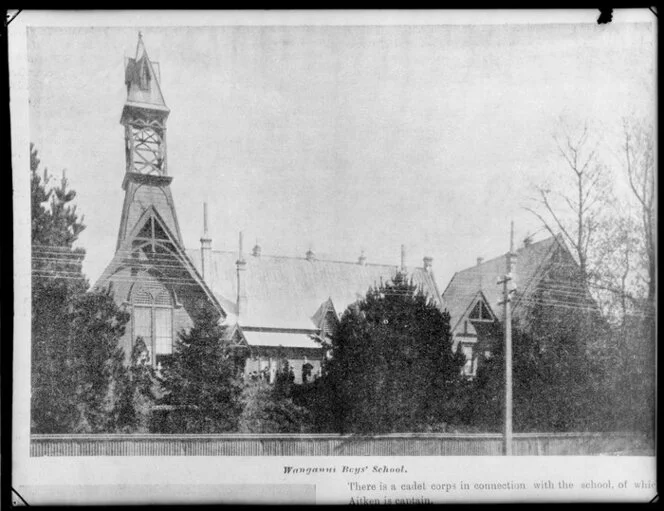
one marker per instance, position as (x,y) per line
(507,290)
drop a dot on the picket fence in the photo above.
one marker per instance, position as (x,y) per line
(406,444)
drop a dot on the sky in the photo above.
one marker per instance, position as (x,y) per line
(338,138)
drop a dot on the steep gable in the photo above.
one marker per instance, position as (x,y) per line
(530,263)
(326,318)
(152,248)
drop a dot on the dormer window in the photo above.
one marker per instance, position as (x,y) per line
(480,312)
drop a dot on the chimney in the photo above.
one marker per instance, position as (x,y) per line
(206,248)
(362,260)
(403,258)
(256,252)
(512,253)
(241,290)
(310,255)
(428,263)
(480,260)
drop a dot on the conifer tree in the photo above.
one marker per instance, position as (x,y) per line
(57,280)
(96,365)
(138,396)
(201,381)
(76,364)
(392,367)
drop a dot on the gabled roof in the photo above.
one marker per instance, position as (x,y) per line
(286,292)
(180,261)
(479,297)
(465,285)
(326,308)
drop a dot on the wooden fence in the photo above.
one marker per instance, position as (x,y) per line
(407,444)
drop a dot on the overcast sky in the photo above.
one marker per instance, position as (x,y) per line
(341,139)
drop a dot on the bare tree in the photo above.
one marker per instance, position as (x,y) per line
(640,167)
(573,205)
(639,162)
(618,278)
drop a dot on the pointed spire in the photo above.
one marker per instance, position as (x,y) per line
(140,47)
(142,79)
(144,117)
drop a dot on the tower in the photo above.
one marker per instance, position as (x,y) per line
(146,182)
(150,274)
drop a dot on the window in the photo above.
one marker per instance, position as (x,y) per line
(143,326)
(153,321)
(470,367)
(143,74)
(480,312)
(307,369)
(163,331)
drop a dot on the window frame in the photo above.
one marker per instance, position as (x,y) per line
(153,307)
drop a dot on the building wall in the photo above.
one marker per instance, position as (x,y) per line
(124,284)
(265,359)
(475,343)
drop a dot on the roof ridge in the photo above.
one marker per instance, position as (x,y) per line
(298,258)
(518,250)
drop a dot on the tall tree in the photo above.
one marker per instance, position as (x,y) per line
(639,161)
(201,381)
(392,367)
(96,365)
(558,328)
(640,168)
(572,203)
(76,364)
(57,280)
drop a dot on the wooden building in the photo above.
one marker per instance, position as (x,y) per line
(472,297)
(273,307)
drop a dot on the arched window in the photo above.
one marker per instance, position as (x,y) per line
(152,318)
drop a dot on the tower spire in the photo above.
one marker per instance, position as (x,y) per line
(140,46)
(144,116)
